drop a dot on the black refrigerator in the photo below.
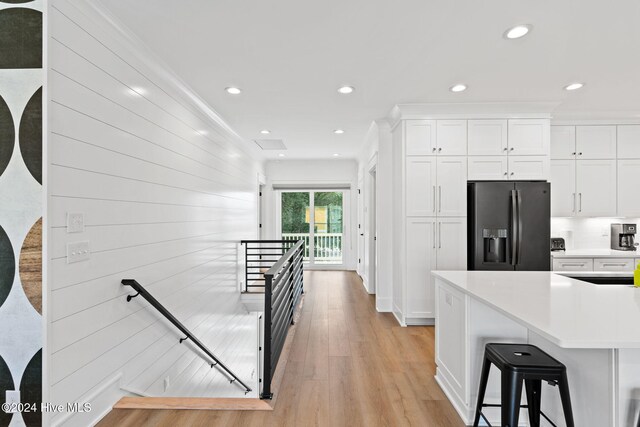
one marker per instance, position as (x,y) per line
(509,225)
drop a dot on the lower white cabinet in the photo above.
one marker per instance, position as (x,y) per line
(613,264)
(573,264)
(431,244)
(628,200)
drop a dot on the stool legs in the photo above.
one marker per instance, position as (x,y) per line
(484,377)
(563,384)
(533,388)
(511,394)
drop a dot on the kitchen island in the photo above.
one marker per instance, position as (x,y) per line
(593,329)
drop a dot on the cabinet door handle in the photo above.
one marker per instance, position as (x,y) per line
(575,264)
(511,149)
(434,198)
(505,149)
(574,202)
(573,154)
(434,235)
(434,150)
(439,150)
(439,198)
(613,264)
(580,203)
(579,154)
(439,235)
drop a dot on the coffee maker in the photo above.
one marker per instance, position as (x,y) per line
(623,237)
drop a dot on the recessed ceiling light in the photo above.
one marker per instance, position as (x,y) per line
(280,154)
(346,90)
(517,31)
(336,155)
(574,86)
(233,90)
(338,131)
(458,88)
(265,131)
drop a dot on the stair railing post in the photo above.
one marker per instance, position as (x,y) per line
(266,383)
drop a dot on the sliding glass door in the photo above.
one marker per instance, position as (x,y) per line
(317,217)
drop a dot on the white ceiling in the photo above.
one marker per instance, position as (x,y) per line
(290,56)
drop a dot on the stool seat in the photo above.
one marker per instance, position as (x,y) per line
(520,363)
(522,357)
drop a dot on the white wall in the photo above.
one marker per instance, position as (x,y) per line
(377,154)
(313,173)
(166,190)
(587,233)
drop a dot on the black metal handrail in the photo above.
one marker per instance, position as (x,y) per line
(260,255)
(284,285)
(156,304)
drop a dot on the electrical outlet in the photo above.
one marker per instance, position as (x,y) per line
(78,251)
(75,222)
(167,383)
(12,397)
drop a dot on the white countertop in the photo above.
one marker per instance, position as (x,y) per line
(567,312)
(595,253)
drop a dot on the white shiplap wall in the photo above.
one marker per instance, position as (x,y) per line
(166,190)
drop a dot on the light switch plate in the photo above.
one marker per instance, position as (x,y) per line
(78,251)
(75,222)
(13,397)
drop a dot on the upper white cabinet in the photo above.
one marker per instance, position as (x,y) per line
(529,137)
(595,187)
(563,142)
(420,137)
(488,168)
(487,137)
(452,186)
(420,184)
(629,142)
(451,137)
(528,167)
(628,200)
(596,142)
(563,187)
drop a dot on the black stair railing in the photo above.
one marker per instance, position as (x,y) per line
(283,286)
(259,256)
(188,335)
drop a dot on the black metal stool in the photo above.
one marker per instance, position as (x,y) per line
(518,363)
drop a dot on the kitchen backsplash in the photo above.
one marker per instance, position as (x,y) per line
(586,233)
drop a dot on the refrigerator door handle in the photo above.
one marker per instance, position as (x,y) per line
(514,227)
(519,251)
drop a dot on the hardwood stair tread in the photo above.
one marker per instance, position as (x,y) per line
(206,403)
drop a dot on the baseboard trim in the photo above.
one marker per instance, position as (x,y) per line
(419,321)
(398,319)
(203,403)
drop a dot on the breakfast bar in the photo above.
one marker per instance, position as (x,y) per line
(593,329)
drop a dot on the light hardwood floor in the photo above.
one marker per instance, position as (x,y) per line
(348,366)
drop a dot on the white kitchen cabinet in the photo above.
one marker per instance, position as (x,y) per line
(452,244)
(487,168)
(487,137)
(451,137)
(420,260)
(420,137)
(529,137)
(420,183)
(451,337)
(613,264)
(563,142)
(452,186)
(628,200)
(596,142)
(629,142)
(529,167)
(595,187)
(563,187)
(573,264)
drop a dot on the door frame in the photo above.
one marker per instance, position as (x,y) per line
(346,212)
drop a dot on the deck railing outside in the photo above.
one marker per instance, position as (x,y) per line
(328,246)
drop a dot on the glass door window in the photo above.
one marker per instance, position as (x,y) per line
(317,218)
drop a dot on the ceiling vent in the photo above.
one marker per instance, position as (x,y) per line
(270,144)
